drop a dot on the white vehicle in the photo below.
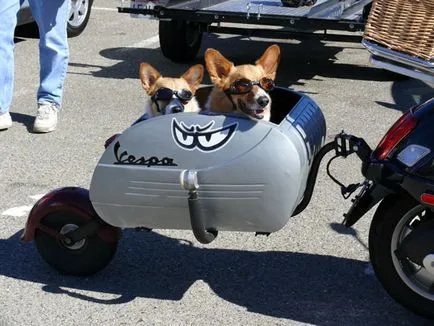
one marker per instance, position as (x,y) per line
(78,16)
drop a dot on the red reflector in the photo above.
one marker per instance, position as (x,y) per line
(400,129)
(427,199)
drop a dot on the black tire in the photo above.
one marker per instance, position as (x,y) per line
(180,41)
(94,255)
(76,29)
(388,217)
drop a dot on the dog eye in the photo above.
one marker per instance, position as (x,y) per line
(164,94)
(185,95)
(267,83)
(242,85)
(242,82)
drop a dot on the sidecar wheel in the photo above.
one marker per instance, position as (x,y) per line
(406,282)
(83,258)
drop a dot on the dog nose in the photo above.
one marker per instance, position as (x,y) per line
(263,101)
(174,106)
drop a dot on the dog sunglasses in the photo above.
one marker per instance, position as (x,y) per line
(166,94)
(243,85)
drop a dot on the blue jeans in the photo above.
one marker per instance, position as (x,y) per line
(52,18)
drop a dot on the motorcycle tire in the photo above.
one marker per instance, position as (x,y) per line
(394,216)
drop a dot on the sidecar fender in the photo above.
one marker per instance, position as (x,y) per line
(72,199)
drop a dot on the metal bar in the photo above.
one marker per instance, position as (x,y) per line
(193,4)
(88,229)
(269,7)
(210,17)
(150,12)
(327,9)
(51,232)
(413,73)
(405,59)
(284,34)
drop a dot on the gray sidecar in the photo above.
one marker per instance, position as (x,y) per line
(247,175)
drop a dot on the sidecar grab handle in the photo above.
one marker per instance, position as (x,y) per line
(189,181)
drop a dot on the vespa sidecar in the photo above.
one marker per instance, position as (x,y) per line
(203,172)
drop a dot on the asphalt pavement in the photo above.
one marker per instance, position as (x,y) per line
(312,272)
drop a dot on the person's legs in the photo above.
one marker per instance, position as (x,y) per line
(8,21)
(52,18)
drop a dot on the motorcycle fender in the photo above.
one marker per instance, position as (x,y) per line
(72,199)
(364,203)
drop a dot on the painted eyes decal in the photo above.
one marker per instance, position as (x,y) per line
(202,138)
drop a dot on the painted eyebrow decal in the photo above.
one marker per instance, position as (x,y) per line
(202,138)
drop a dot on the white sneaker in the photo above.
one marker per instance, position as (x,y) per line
(46,118)
(5,121)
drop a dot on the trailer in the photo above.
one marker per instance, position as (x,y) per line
(182,23)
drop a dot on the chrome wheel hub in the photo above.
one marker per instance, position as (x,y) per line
(418,278)
(78,12)
(428,263)
(66,242)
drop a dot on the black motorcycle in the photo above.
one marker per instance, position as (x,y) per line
(399,173)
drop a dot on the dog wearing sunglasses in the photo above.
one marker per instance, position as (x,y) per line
(243,88)
(166,95)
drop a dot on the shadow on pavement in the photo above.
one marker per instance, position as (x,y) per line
(309,59)
(303,287)
(407,93)
(24,119)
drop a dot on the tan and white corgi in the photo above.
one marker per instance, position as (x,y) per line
(244,88)
(167,95)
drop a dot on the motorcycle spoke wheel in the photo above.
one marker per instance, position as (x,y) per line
(414,276)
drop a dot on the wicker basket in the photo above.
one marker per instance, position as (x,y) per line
(403,25)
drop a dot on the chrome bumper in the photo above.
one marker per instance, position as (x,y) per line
(400,63)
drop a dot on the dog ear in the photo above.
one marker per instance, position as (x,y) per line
(149,76)
(218,67)
(194,76)
(270,60)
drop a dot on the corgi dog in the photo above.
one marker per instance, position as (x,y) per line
(244,88)
(166,95)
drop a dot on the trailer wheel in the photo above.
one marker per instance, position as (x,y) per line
(83,258)
(179,40)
